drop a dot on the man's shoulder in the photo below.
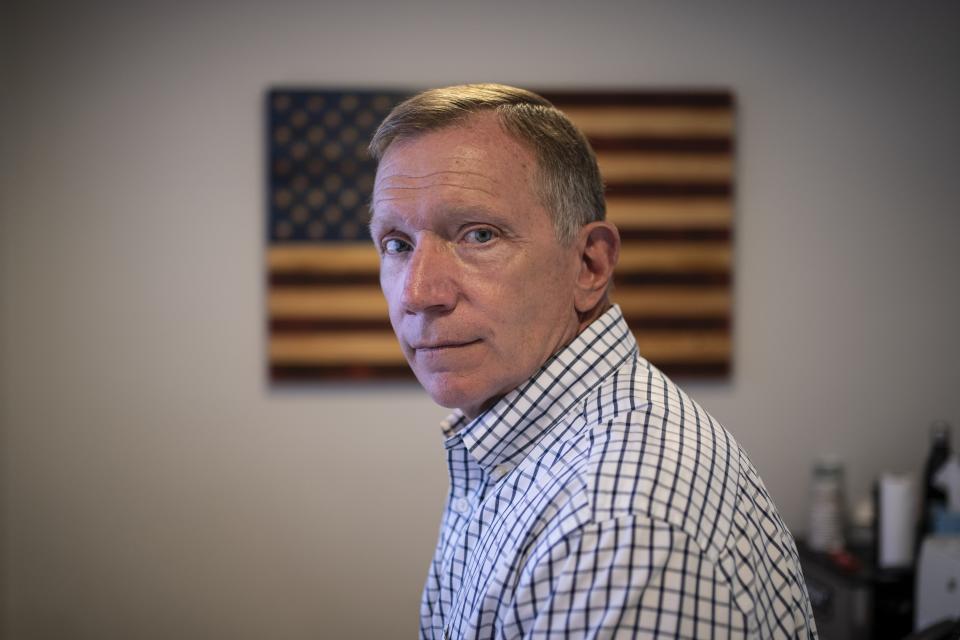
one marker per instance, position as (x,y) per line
(638,450)
(648,449)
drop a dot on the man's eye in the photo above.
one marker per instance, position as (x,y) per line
(392,246)
(480,236)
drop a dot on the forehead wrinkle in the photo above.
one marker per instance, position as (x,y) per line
(434,178)
(433,184)
(453,212)
(382,199)
(413,176)
(385,187)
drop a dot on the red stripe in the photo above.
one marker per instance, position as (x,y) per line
(700,145)
(669,189)
(287,373)
(700,99)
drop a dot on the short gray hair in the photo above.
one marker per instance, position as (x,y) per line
(569,182)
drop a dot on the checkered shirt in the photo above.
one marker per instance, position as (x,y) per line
(598,501)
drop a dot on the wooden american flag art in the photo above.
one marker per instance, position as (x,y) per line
(667,158)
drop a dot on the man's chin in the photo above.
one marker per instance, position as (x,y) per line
(456,392)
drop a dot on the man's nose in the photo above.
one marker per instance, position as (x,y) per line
(430,278)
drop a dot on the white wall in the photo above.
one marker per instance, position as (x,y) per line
(155,487)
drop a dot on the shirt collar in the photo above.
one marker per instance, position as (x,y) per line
(497,436)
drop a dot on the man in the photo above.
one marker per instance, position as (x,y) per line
(590,497)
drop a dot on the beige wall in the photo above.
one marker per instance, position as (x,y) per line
(154,487)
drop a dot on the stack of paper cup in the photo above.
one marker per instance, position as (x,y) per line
(825,532)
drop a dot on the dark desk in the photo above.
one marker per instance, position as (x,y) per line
(854,600)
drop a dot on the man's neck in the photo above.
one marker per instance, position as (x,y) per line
(587,318)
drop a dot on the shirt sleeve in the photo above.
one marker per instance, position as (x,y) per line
(626,577)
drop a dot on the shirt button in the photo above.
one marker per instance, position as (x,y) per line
(460,505)
(500,470)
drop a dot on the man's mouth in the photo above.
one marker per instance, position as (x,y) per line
(440,346)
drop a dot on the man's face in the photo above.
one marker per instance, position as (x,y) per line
(480,291)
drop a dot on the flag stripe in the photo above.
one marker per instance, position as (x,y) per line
(678,189)
(695,99)
(685,346)
(622,166)
(314,278)
(362,303)
(631,213)
(700,145)
(336,348)
(693,302)
(644,237)
(673,257)
(676,279)
(651,122)
(324,258)
(337,373)
(322,324)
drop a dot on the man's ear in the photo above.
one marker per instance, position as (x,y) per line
(599,247)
